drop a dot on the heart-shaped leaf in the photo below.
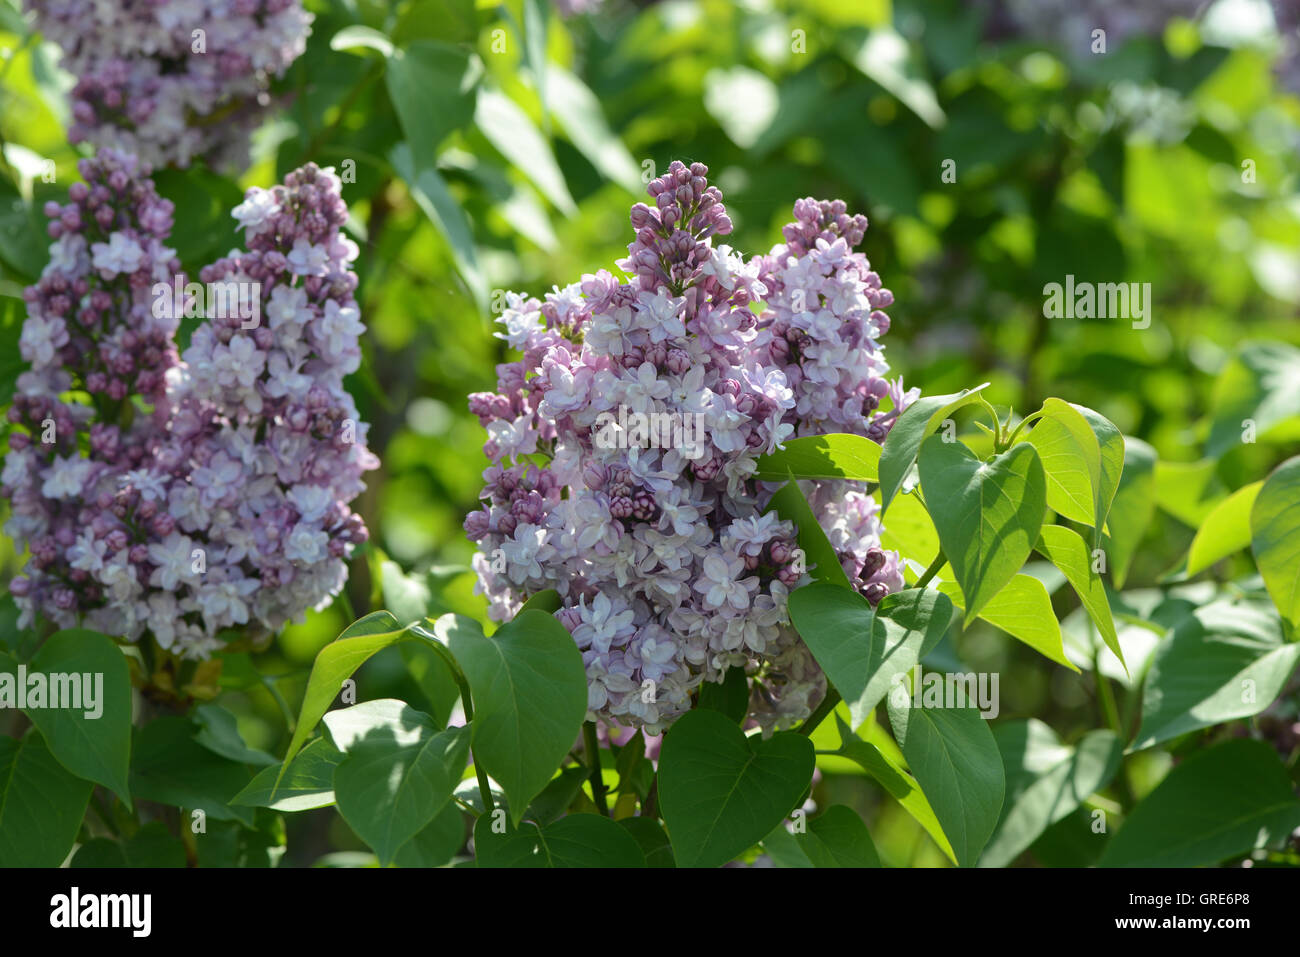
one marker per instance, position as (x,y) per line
(1071,458)
(723,792)
(1068,552)
(398,772)
(835,838)
(41,804)
(988,513)
(529,690)
(1046,781)
(862,649)
(308,784)
(1228,800)
(1022,609)
(578,840)
(956,761)
(1225,661)
(902,787)
(91,736)
(335,664)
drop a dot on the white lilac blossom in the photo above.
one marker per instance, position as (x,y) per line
(670,570)
(171,80)
(195,493)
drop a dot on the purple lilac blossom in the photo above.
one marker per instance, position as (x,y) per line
(193,493)
(668,568)
(147,83)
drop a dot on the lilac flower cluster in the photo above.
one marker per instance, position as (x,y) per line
(669,568)
(194,493)
(171,80)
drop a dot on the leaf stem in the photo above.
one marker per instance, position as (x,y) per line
(939,561)
(1021,424)
(817,717)
(593,760)
(467,704)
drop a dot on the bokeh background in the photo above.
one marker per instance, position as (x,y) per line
(499,146)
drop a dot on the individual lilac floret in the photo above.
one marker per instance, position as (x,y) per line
(171,80)
(195,496)
(625,441)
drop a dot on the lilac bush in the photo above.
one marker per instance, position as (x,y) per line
(669,569)
(194,493)
(170,80)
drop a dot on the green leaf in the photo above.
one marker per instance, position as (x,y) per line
(515,136)
(916,423)
(360,37)
(219,733)
(548,601)
(579,840)
(862,649)
(1275,537)
(438,842)
(1225,661)
(730,696)
(721,792)
(836,456)
(1071,457)
(335,664)
(835,838)
(1133,507)
(902,787)
(956,762)
(1225,530)
(910,531)
(559,793)
(1218,803)
(535,28)
(1046,781)
(430,192)
(151,846)
(95,748)
(987,513)
(452,21)
(41,804)
(406,596)
(397,773)
(1068,552)
(529,689)
(823,562)
(652,839)
(1110,444)
(580,115)
(1261,384)
(1188,491)
(885,56)
(412,76)
(308,783)
(1022,609)
(170,767)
